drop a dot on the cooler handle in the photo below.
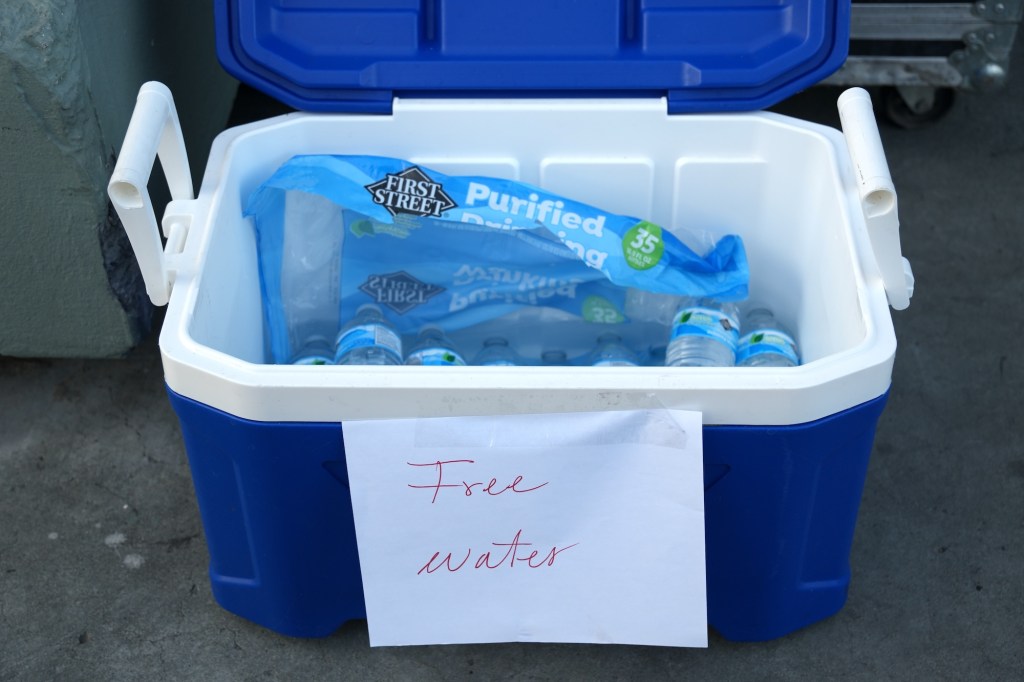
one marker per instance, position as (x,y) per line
(877,194)
(154,130)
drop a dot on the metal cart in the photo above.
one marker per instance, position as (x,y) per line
(921,53)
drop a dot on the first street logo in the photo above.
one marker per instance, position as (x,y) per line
(412,192)
(399,291)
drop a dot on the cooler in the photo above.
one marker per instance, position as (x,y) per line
(621,104)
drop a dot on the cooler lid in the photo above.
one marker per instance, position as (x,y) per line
(703,55)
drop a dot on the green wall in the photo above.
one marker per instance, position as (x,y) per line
(69,75)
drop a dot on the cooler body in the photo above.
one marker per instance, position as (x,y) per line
(780,510)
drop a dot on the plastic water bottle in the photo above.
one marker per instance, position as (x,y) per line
(705,333)
(766,343)
(647,306)
(368,339)
(434,348)
(554,358)
(315,351)
(497,353)
(612,352)
(306,269)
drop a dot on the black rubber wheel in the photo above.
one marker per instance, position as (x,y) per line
(899,113)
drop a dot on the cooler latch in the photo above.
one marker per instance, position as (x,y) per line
(154,131)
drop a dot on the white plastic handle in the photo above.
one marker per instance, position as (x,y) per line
(877,194)
(154,130)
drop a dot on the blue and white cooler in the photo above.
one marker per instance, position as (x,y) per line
(642,107)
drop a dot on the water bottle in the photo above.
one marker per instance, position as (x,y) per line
(612,352)
(705,333)
(434,348)
(767,343)
(315,351)
(648,306)
(497,353)
(306,270)
(554,358)
(368,339)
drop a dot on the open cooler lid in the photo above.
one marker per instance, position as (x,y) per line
(703,55)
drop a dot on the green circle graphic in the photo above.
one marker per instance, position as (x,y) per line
(643,246)
(601,310)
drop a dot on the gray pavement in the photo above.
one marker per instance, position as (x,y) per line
(103,559)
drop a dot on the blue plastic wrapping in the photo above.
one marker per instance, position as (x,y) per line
(456,250)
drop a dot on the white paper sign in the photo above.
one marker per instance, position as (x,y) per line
(584,527)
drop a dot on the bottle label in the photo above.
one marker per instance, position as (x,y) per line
(364,335)
(435,356)
(498,363)
(767,341)
(707,322)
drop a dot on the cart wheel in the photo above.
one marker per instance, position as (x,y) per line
(916,107)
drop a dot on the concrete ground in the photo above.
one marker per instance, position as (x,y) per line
(103,559)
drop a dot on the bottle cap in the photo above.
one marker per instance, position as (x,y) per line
(760,312)
(366,307)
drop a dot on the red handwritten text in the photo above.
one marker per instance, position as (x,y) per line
(491,487)
(532,558)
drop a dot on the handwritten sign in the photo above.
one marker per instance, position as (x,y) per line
(583,527)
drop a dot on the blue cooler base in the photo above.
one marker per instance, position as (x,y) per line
(780,501)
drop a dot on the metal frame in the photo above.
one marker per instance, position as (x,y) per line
(986,29)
